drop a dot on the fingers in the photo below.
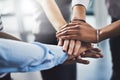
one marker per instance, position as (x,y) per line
(80,60)
(60,42)
(68,30)
(65,45)
(74,47)
(92,54)
(77,47)
(76,60)
(96,49)
(82,49)
(96,53)
(70,61)
(68,25)
(71,47)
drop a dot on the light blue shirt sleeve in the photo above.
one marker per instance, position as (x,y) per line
(18,56)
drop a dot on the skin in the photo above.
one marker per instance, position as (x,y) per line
(57,26)
(79,12)
(109,31)
(95,54)
(80,31)
(85,32)
(8,36)
(54,15)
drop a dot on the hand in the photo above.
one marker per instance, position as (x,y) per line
(75,49)
(72,47)
(79,51)
(91,53)
(78,31)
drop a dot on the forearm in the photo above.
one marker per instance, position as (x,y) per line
(79,8)
(8,36)
(53,13)
(18,56)
(79,12)
(110,31)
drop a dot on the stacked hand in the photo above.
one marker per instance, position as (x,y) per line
(78,31)
(75,38)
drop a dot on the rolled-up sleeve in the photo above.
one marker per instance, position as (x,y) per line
(25,57)
(82,2)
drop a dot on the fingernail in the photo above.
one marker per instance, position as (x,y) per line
(75,54)
(98,56)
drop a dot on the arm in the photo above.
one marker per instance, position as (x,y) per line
(79,12)
(53,13)
(87,33)
(18,56)
(110,31)
(8,36)
(79,9)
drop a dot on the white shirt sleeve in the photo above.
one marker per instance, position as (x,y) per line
(82,2)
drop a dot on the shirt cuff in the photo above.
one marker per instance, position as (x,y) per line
(53,56)
(59,54)
(82,2)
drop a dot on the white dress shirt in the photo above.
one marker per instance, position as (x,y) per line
(82,2)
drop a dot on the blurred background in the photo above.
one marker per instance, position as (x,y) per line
(18,20)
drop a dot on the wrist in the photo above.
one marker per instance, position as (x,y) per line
(64,25)
(76,20)
(79,12)
(97,36)
(82,20)
(102,35)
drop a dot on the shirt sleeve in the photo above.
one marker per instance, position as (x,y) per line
(82,2)
(25,57)
(1,26)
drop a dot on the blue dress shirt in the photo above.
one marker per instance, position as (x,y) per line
(18,56)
